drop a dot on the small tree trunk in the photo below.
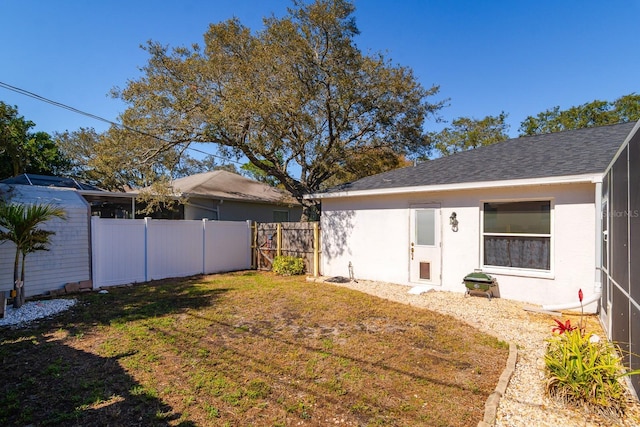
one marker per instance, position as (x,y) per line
(16,278)
(21,293)
(18,301)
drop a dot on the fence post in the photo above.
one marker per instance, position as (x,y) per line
(250,240)
(316,250)
(254,244)
(279,239)
(204,245)
(95,237)
(146,248)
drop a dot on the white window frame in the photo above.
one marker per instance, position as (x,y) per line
(516,271)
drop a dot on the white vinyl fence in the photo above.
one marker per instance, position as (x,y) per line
(137,250)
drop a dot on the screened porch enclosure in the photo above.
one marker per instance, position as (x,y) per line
(620,309)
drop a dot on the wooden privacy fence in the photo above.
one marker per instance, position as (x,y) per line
(298,239)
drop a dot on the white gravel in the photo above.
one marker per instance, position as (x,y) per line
(34,310)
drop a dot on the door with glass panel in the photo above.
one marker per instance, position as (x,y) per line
(424,245)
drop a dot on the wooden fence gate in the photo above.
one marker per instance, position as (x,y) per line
(298,239)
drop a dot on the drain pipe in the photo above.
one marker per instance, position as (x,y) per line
(597,286)
(573,305)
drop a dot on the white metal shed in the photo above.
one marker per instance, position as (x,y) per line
(68,259)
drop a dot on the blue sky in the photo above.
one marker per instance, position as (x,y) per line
(520,57)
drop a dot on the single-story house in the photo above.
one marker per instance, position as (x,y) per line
(217,195)
(525,211)
(227,196)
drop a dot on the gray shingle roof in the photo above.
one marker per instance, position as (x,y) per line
(575,152)
(221,184)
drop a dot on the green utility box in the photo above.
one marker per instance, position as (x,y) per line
(480,283)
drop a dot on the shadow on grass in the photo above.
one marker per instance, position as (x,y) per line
(140,301)
(47,383)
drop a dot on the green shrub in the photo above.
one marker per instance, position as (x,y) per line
(288,265)
(585,372)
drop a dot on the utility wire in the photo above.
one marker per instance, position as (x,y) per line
(102,119)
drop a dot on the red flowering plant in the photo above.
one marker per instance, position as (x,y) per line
(563,327)
(580,297)
(583,370)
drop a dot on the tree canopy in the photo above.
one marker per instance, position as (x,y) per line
(591,114)
(297,99)
(467,133)
(24,151)
(104,161)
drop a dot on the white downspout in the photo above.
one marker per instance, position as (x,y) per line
(573,305)
(597,285)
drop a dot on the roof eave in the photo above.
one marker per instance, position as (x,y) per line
(231,198)
(590,178)
(106,193)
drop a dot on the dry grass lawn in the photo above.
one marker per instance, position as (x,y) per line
(246,349)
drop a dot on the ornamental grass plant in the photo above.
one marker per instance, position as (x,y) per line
(585,371)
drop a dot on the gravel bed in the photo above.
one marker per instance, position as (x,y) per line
(34,310)
(524,402)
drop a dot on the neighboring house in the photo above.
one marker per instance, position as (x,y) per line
(226,196)
(186,246)
(526,211)
(217,195)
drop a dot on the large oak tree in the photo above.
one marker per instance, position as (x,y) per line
(298,99)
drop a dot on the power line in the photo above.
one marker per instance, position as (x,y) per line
(55,103)
(102,119)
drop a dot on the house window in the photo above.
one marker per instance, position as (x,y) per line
(517,234)
(426,227)
(280,216)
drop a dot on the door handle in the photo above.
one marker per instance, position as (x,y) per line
(412,249)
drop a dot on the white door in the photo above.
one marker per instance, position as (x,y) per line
(424,250)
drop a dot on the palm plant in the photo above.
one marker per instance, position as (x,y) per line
(19,224)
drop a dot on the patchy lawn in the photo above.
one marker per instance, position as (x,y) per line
(246,349)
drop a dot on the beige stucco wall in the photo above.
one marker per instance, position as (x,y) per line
(372,233)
